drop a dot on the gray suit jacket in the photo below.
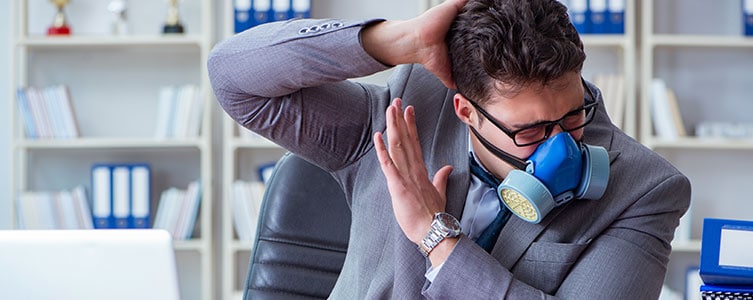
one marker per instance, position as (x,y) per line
(286,82)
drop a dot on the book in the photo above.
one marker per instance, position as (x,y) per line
(613,93)
(165,108)
(30,127)
(179,112)
(242,15)
(189,211)
(37,104)
(47,112)
(661,113)
(68,116)
(178,210)
(301,8)
(64,209)
(121,195)
(140,196)
(247,201)
(616,17)
(598,16)
(282,9)
(579,16)
(101,195)
(674,108)
(747,10)
(262,12)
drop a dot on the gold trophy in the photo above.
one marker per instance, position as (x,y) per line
(173,24)
(59,25)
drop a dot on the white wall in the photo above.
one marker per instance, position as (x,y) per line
(5,105)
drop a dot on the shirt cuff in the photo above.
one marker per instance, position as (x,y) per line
(432,272)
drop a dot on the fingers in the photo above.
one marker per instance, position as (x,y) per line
(402,138)
(412,137)
(385,161)
(440,179)
(396,134)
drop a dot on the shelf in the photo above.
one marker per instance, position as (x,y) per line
(702,143)
(237,245)
(189,245)
(254,144)
(605,40)
(110,143)
(701,41)
(686,246)
(111,41)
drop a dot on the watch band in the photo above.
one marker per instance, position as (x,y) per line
(443,226)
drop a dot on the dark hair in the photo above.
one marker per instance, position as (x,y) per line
(515,43)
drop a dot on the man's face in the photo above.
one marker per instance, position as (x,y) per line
(532,105)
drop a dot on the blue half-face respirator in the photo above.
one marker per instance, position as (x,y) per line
(558,171)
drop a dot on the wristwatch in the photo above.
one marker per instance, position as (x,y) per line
(443,226)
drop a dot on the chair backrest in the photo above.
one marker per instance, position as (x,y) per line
(302,236)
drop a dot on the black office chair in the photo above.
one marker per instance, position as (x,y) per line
(302,237)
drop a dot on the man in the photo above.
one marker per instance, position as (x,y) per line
(509,87)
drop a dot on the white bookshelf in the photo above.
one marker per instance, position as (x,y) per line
(114,86)
(698,48)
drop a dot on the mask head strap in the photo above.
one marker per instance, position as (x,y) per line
(508,158)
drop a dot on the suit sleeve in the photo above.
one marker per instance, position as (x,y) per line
(287,82)
(627,261)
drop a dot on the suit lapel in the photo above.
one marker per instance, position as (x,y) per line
(450,147)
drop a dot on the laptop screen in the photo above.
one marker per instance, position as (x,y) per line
(87,264)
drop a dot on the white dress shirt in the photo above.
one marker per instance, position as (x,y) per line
(481,207)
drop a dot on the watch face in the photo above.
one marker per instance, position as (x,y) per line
(449,222)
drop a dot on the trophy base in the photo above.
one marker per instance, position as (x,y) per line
(64,30)
(177,28)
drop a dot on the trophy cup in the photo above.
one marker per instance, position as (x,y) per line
(118,9)
(173,24)
(59,24)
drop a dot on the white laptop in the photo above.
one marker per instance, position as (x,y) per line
(87,264)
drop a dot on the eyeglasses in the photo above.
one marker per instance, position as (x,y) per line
(536,133)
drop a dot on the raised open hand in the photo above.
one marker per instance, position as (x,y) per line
(415,198)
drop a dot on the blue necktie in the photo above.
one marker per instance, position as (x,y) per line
(489,236)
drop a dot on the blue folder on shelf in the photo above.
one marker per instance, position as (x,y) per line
(616,17)
(747,17)
(121,195)
(580,15)
(598,16)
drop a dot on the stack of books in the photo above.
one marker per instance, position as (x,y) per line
(47,112)
(66,209)
(249,13)
(726,261)
(121,195)
(178,210)
(597,16)
(665,111)
(179,112)
(613,92)
(247,200)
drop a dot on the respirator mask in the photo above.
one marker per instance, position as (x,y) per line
(559,170)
